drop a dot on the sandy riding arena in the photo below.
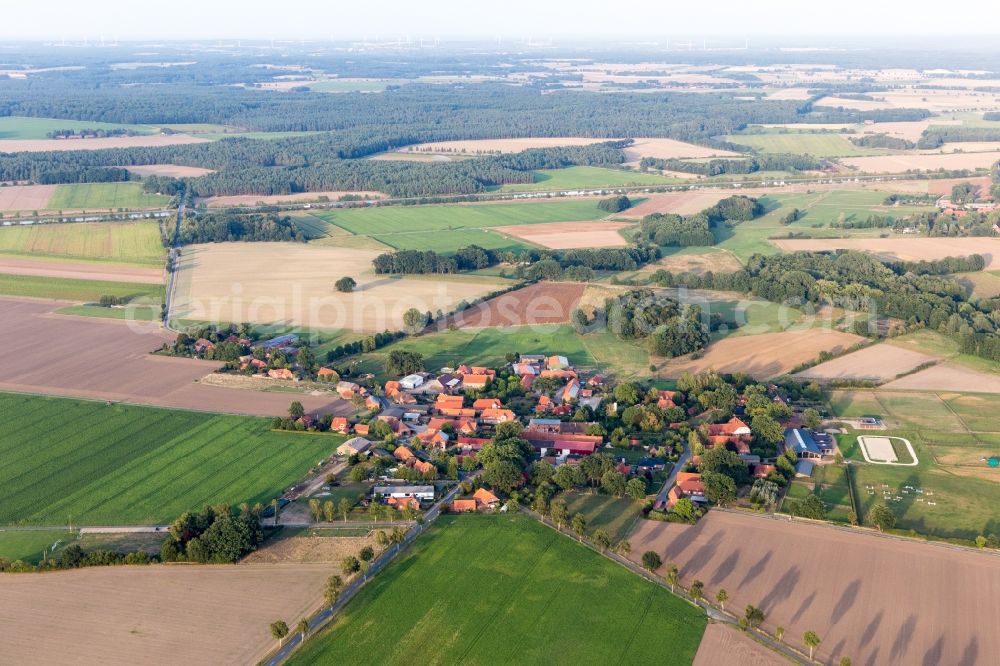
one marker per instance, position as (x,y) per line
(880,450)
(568,235)
(765,355)
(904,249)
(293,283)
(541,303)
(159,614)
(874,599)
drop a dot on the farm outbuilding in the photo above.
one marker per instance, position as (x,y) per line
(410,382)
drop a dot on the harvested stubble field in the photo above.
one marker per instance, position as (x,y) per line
(118,464)
(695,261)
(271,199)
(79,270)
(803,143)
(292,284)
(671,149)
(723,644)
(905,249)
(568,235)
(122,242)
(486,146)
(46,145)
(509,590)
(764,355)
(26,198)
(921,162)
(878,363)
(948,377)
(877,600)
(108,360)
(541,303)
(680,203)
(169,170)
(306,548)
(164,614)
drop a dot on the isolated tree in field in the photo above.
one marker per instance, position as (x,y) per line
(279,629)
(382,539)
(673,576)
(845,661)
(334,585)
(722,597)
(881,517)
(366,554)
(302,628)
(296,410)
(697,590)
(580,525)
(559,512)
(344,508)
(345,284)
(651,560)
(601,539)
(623,547)
(350,564)
(754,616)
(329,511)
(414,320)
(315,510)
(812,641)
(779,632)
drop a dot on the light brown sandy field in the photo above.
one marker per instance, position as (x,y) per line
(725,645)
(789,93)
(906,249)
(104,359)
(160,614)
(982,283)
(169,170)
(46,145)
(876,600)
(681,203)
(299,197)
(877,363)
(79,270)
(670,148)
(477,146)
(920,162)
(717,262)
(566,235)
(943,185)
(948,377)
(26,198)
(293,283)
(764,355)
(307,549)
(935,101)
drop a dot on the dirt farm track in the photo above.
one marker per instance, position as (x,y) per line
(160,614)
(877,600)
(105,360)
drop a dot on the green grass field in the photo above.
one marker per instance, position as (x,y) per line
(101,196)
(118,242)
(586,177)
(21,127)
(616,516)
(381,220)
(149,312)
(28,545)
(829,483)
(76,290)
(952,434)
(504,590)
(803,143)
(820,210)
(138,465)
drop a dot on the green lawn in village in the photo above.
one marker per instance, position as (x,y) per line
(503,590)
(122,464)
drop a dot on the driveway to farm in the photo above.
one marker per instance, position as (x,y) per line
(672,477)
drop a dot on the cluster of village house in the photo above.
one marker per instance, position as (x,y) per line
(433,410)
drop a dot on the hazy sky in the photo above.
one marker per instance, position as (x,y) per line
(612,19)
